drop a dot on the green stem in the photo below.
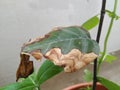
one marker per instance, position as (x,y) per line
(107,36)
(37,86)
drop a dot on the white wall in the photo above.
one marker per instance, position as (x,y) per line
(21,20)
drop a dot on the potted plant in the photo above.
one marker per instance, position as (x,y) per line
(101,83)
(65,48)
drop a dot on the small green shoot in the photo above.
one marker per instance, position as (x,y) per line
(91,23)
(88,77)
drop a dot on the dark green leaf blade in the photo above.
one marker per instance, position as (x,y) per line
(67,38)
(108,84)
(26,84)
(10,87)
(46,71)
(91,23)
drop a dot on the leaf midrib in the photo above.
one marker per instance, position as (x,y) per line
(26,87)
(50,43)
(45,73)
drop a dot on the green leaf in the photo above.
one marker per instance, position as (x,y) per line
(24,85)
(110,58)
(91,23)
(108,84)
(46,71)
(107,58)
(66,38)
(88,77)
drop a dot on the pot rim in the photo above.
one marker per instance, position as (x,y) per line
(80,84)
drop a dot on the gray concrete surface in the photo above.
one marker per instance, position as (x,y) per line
(109,71)
(62,80)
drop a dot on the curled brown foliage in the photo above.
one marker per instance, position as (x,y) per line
(72,61)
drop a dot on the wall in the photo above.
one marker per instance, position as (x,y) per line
(21,20)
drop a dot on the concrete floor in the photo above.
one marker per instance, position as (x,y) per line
(62,80)
(110,71)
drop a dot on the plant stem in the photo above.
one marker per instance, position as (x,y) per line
(37,86)
(107,36)
(98,39)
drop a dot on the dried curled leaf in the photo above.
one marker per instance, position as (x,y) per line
(65,38)
(74,42)
(37,55)
(25,67)
(71,61)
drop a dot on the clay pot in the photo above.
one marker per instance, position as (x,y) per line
(83,85)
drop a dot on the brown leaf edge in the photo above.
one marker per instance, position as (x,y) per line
(25,67)
(72,61)
(38,39)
